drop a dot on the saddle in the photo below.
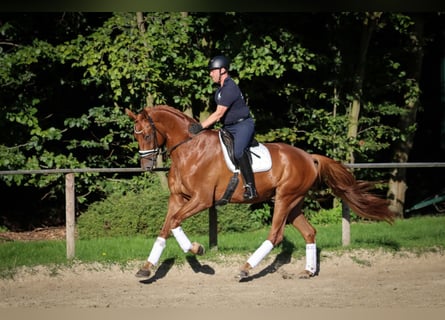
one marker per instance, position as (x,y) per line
(259,158)
(258,153)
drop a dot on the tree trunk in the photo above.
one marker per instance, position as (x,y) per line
(397,182)
(141,22)
(354,113)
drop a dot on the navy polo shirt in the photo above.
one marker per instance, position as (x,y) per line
(229,95)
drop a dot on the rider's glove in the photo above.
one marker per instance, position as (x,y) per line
(195,128)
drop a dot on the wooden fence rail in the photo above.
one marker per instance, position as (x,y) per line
(70,195)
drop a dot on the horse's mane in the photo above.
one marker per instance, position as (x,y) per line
(170,110)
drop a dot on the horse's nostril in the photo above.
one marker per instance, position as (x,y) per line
(148,164)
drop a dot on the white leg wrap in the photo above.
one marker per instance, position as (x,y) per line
(311,257)
(182,239)
(260,253)
(156,251)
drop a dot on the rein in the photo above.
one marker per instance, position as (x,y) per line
(179,144)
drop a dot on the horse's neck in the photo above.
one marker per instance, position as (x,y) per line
(174,127)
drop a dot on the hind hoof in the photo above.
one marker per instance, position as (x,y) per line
(242,276)
(305,274)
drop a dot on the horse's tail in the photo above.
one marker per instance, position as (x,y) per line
(354,192)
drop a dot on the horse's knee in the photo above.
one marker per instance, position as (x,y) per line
(309,235)
(276,237)
(275,240)
(307,231)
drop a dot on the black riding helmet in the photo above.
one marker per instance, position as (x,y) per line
(219,62)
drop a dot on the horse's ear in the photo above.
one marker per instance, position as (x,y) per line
(130,113)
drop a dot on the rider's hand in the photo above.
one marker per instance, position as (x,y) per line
(195,128)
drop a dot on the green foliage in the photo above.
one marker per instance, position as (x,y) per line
(131,207)
(271,55)
(231,218)
(322,132)
(328,216)
(161,62)
(121,215)
(263,213)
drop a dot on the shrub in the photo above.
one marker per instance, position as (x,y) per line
(123,215)
(328,216)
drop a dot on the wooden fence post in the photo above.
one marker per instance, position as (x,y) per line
(70,215)
(345,224)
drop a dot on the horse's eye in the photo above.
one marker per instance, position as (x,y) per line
(138,129)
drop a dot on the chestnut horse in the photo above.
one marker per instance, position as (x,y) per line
(199,177)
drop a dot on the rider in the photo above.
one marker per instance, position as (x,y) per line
(232,111)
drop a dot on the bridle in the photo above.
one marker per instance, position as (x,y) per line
(153,153)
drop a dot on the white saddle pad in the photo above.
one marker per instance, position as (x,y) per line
(261,160)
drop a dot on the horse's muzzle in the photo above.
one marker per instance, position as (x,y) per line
(148,164)
(148,159)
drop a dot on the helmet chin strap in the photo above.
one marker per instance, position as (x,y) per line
(220,74)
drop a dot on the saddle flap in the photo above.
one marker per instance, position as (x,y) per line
(226,139)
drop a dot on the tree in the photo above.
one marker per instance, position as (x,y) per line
(411,28)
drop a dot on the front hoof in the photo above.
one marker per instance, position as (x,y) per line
(305,274)
(144,271)
(197,249)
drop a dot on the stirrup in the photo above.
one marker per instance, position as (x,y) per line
(249,192)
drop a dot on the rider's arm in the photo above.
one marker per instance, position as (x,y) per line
(215,116)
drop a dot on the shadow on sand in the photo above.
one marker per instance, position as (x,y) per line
(284,257)
(161,272)
(167,264)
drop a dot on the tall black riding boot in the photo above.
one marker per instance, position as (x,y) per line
(247,173)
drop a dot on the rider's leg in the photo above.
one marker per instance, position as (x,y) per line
(248,177)
(243,133)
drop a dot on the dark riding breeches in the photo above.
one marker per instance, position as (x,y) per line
(243,133)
